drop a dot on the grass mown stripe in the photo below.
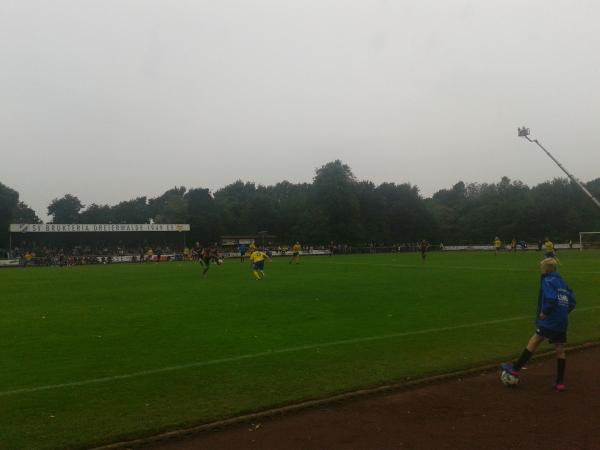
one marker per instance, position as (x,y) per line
(265,353)
(297,407)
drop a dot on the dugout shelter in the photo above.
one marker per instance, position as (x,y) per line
(231,244)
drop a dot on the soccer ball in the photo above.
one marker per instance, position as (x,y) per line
(508,379)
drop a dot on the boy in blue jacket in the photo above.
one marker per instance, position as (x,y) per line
(556,300)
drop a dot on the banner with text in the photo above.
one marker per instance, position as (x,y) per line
(96,227)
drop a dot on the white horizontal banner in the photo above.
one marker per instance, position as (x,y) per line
(96,227)
(9,262)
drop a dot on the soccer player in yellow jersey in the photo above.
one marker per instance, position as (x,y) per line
(257,258)
(149,255)
(251,247)
(296,253)
(497,244)
(550,250)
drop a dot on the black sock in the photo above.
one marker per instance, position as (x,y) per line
(561,364)
(518,365)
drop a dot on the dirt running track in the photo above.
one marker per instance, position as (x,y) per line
(472,413)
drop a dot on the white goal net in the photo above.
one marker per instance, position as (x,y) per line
(589,240)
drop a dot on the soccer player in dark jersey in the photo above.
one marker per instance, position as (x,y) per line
(197,251)
(206,255)
(424,246)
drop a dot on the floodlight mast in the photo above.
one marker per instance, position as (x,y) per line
(524,133)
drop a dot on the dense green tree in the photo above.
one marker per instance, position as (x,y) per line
(169,207)
(338,207)
(9,199)
(407,217)
(97,214)
(24,214)
(202,215)
(132,211)
(372,207)
(334,195)
(12,211)
(235,202)
(291,211)
(65,209)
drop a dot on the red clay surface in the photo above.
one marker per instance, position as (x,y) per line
(471,413)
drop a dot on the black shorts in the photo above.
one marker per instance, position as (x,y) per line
(553,336)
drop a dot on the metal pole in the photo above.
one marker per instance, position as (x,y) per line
(524,134)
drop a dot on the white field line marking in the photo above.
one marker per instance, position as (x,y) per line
(427,266)
(298,348)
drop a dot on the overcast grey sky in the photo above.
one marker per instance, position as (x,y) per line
(112,99)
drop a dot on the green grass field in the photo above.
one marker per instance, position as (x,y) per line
(90,355)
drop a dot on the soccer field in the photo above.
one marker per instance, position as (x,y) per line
(94,354)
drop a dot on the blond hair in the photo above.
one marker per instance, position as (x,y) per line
(548,265)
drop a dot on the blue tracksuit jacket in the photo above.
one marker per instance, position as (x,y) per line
(556,300)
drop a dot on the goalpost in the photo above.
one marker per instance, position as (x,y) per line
(589,240)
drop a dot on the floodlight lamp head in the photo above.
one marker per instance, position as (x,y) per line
(523,132)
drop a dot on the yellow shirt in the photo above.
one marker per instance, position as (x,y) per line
(149,252)
(257,256)
(498,243)
(296,247)
(549,245)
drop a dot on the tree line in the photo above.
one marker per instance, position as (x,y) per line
(337,207)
